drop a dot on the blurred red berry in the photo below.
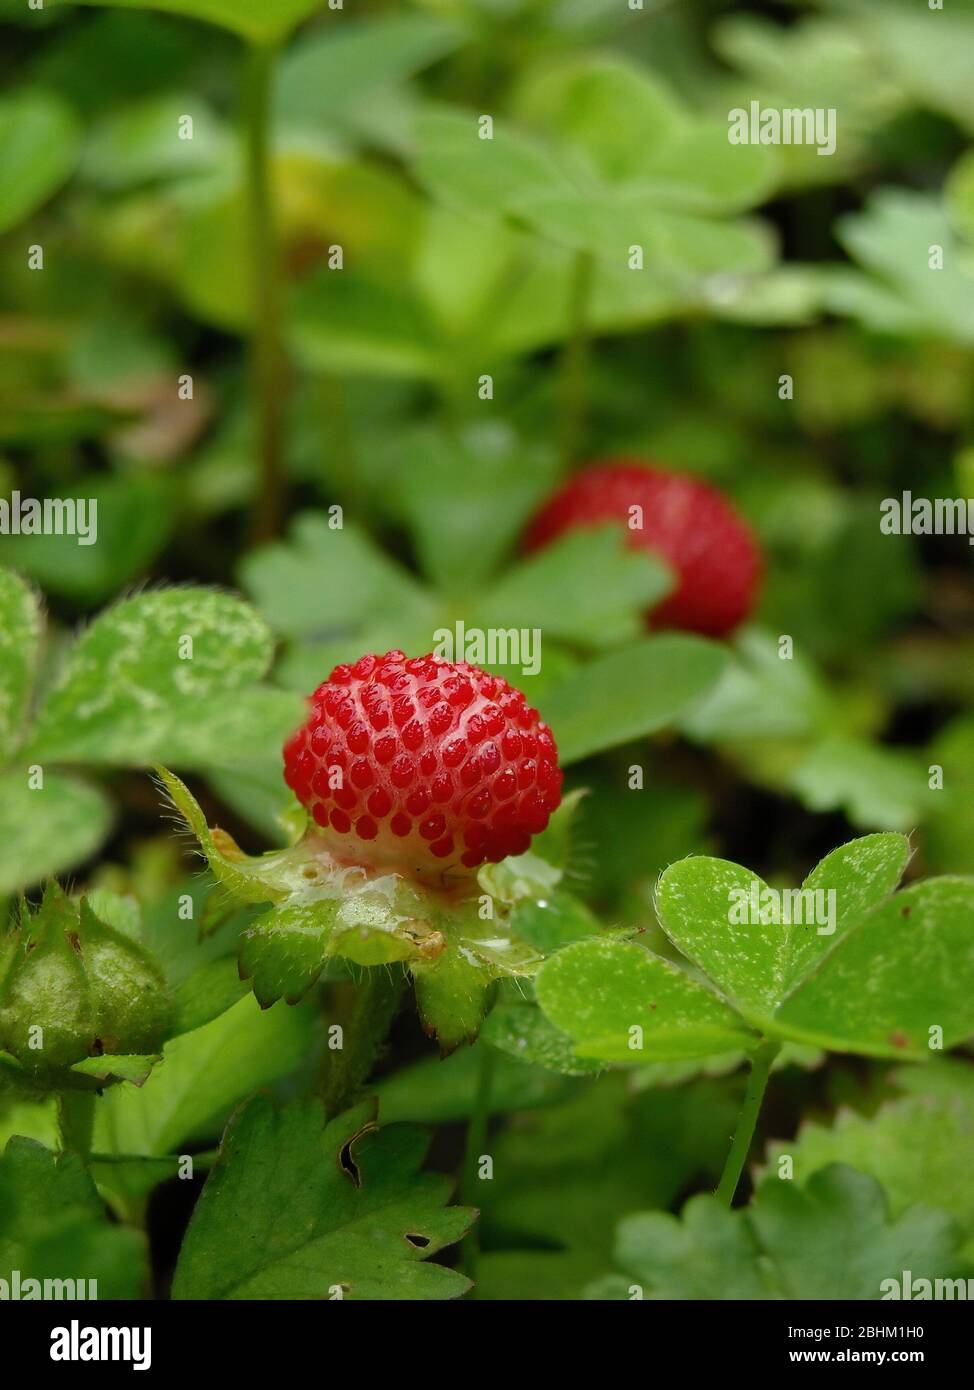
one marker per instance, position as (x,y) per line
(686,522)
(423,764)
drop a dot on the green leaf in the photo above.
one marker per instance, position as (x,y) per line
(585,588)
(959,195)
(322,583)
(916,951)
(107,1069)
(630,130)
(522,1030)
(53,1226)
(919,1145)
(140,143)
(930,60)
(295,1208)
(442,1090)
(948,834)
(20,634)
(49,830)
(136,516)
(203,1075)
(482,177)
(632,692)
(465,499)
(876,787)
(619,115)
(832,1239)
(598,992)
(715,912)
(563,1176)
(350,325)
(39,142)
(722,1064)
(553,920)
(760,696)
(898,292)
(257,21)
(324,74)
(145,670)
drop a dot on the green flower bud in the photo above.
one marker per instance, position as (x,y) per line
(72,987)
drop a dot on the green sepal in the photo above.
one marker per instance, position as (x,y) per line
(456,937)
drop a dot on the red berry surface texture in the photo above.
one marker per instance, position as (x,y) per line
(688,523)
(423,765)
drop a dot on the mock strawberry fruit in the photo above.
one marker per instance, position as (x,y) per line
(686,522)
(423,765)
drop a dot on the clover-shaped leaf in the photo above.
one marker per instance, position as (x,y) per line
(712,910)
(609,996)
(780,963)
(832,1238)
(295,1208)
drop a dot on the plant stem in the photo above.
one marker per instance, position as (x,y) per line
(76,1120)
(474,1148)
(761,1060)
(575,355)
(366,1014)
(266,353)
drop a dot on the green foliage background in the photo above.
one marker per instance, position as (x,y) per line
(507,258)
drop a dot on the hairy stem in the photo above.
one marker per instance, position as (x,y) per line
(266,352)
(761,1061)
(476,1139)
(574,360)
(76,1120)
(365,1012)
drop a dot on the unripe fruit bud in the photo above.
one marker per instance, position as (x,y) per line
(72,987)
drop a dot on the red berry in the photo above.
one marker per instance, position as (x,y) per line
(458,770)
(691,525)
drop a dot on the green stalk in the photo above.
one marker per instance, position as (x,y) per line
(76,1120)
(266,351)
(366,1015)
(574,362)
(761,1061)
(476,1139)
